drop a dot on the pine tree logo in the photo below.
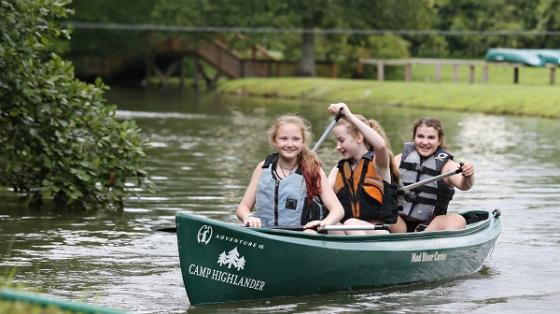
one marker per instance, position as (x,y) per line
(232,259)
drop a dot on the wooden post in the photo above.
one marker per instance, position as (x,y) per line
(471,73)
(455,73)
(148,63)
(360,70)
(380,71)
(182,73)
(552,75)
(334,70)
(515,74)
(485,73)
(253,52)
(197,74)
(408,72)
(438,72)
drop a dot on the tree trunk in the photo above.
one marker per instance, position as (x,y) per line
(307,64)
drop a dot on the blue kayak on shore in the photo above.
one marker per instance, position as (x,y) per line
(530,57)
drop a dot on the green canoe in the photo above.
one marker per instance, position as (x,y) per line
(223,262)
(17,301)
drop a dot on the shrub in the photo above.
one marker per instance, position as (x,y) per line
(59,139)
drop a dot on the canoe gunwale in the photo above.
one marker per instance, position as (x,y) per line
(289,234)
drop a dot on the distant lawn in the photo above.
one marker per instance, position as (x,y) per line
(522,99)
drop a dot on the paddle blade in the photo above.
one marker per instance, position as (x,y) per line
(167,229)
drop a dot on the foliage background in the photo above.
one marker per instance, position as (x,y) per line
(344,49)
(59,138)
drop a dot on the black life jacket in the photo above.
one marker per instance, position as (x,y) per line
(432,199)
(363,193)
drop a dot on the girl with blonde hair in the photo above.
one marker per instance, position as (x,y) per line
(284,188)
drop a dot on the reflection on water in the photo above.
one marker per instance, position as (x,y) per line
(201,152)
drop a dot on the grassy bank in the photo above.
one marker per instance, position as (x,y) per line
(532,100)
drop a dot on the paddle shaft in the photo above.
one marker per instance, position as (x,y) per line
(335,228)
(327,131)
(300,228)
(353,228)
(290,228)
(429,180)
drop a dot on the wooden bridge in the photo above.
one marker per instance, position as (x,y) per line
(169,61)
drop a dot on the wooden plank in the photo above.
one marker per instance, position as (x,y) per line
(408,72)
(381,71)
(455,73)
(422,61)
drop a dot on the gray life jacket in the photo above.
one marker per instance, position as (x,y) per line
(280,202)
(432,199)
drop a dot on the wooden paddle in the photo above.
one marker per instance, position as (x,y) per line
(166,229)
(328,130)
(353,227)
(300,228)
(289,228)
(432,179)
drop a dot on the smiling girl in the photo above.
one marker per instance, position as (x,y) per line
(421,159)
(285,186)
(364,179)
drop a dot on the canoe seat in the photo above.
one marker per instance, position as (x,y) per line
(472,217)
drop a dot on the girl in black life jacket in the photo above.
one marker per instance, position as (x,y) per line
(278,189)
(427,152)
(365,179)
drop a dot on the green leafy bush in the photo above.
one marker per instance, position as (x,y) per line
(59,139)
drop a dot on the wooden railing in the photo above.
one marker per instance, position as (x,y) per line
(454,63)
(232,65)
(222,58)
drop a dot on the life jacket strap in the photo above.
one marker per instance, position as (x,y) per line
(425,200)
(419,168)
(270,159)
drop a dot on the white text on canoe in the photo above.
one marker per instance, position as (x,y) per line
(225,277)
(421,257)
(239,241)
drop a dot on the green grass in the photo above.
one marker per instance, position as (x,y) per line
(533,100)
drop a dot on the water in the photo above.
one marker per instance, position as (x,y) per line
(202,150)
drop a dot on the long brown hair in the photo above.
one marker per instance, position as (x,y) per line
(352,129)
(432,123)
(308,161)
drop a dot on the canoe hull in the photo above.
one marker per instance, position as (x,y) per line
(222,262)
